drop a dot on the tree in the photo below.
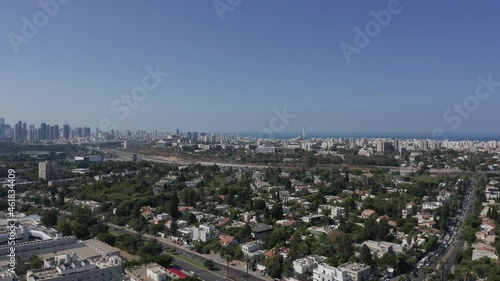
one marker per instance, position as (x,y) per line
(210,264)
(274,268)
(277,211)
(107,238)
(164,260)
(228,259)
(365,255)
(49,218)
(174,205)
(36,262)
(64,226)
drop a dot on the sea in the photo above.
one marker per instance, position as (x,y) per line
(449,136)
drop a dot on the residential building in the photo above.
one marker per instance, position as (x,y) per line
(266,150)
(261,231)
(205,233)
(71,267)
(483,250)
(369,214)
(307,264)
(148,272)
(47,170)
(325,272)
(357,271)
(227,241)
(380,248)
(252,248)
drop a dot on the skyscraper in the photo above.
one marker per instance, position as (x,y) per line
(24,132)
(31,133)
(43,131)
(66,131)
(18,131)
(2,128)
(86,132)
(57,135)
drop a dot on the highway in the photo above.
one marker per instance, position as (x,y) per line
(127,156)
(203,273)
(450,255)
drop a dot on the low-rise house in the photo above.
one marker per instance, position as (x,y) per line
(483,250)
(253,248)
(313,218)
(161,218)
(487,225)
(261,231)
(95,207)
(282,251)
(486,236)
(147,212)
(222,222)
(383,247)
(316,230)
(288,223)
(431,205)
(185,209)
(227,241)
(369,214)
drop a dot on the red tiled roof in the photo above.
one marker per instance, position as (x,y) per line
(222,222)
(225,240)
(368,212)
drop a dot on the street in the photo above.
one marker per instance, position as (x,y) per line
(449,256)
(205,274)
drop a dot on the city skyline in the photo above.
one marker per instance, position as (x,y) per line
(228,74)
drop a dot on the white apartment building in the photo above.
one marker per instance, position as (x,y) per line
(205,233)
(307,264)
(325,272)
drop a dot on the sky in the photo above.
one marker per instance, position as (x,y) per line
(237,65)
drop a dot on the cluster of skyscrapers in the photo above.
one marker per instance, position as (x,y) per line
(24,132)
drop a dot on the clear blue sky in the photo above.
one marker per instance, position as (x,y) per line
(229,75)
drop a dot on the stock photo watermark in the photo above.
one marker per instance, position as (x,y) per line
(223,6)
(123,105)
(11,221)
(277,124)
(459,112)
(31,26)
(363,37)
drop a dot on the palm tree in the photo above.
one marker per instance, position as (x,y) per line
(247,260)
(228,259)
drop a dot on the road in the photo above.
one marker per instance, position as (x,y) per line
(234,273)
(450,255)
(127,156)
(459,243)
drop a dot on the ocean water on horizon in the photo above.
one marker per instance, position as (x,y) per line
(450,136)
